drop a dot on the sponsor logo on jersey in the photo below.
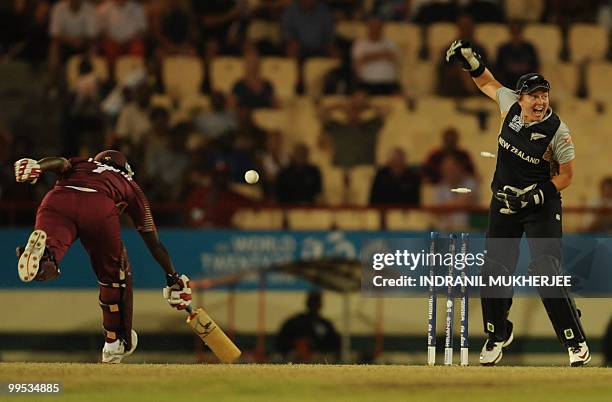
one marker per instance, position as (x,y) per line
(521,154)
(537,136)
(516,124)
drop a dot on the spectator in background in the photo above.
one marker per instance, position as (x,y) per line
(352,141)
(450,146)
(454,175)
(452,80)
(308,336)
(516,57)
(486,11)
(73,28)
(396,183)
(134,123)
(393,10)
(271,160)
(565,12)
(221,29)
(216,123)
(300,181)
(122,26)
(607,346)
(165,159)
(24,32)
(212,203)
(308,29)
(376,61)
(428,11)
(252,91)
(174,29)
(84,122)
(601,222)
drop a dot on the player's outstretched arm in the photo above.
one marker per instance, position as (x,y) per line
(58,165)
(462,52)
(29,170)
(177,292)
(158,251)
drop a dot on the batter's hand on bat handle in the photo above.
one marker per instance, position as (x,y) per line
(177,291)
(461,51)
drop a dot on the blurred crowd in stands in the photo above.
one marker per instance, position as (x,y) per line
(197,160)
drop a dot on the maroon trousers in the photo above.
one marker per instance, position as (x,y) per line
(66,214)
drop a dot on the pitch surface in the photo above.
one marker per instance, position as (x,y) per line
(254,383)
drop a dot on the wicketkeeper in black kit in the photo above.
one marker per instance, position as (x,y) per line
(534,163)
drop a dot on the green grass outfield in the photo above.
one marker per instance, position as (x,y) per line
(254,383)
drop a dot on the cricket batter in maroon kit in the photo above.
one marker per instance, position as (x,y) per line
(86,202)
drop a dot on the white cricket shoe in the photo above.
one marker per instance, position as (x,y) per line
(492,352)
(115,352)
(579,355)
(30,257)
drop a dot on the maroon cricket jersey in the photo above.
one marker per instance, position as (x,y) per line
(117,185)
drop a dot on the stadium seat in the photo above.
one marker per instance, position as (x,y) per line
(349,219)
(577,113)
(163,101)
(351,30)
(400,220)
(315,70)
(594,48)
(334,191)
(480,102)
(407,37)
(263,30)
(491,36)
(224,72)
(254,219)
(195,103)
(439,37)
(126,65)
(282,73)
(547,40)
(272,119)
(419,78)
(598,81)
(563,78)
(360,184)
(305,125)
(182,76)
(524,10)
(100,68)
(310,219)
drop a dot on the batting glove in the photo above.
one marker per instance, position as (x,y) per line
(461,51)
(177,292)
(27,170)
(516,199)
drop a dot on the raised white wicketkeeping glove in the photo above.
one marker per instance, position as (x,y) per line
(462,51)
(27,170)
(177,292)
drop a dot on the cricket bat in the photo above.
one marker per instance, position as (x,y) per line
(212,335)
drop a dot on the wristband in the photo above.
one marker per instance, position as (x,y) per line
(478,71)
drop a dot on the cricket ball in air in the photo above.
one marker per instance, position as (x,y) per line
(251,177)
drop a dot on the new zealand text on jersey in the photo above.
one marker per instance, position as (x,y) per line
(506,145)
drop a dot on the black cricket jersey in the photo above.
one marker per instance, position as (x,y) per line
(528,153)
